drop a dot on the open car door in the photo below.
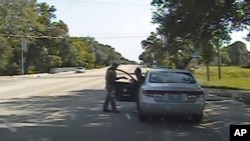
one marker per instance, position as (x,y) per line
(125,90)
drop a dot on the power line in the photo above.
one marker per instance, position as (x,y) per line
(118,37)
(30,36)
(117,33)
(61,37)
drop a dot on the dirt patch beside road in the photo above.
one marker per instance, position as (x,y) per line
(239,95)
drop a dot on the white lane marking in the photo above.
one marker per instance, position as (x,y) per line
(60,112)
(128,116)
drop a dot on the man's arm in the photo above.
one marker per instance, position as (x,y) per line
(112,76)
(118,78)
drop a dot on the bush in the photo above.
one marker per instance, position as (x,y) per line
(247,65)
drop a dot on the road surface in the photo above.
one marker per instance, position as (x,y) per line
(68,107)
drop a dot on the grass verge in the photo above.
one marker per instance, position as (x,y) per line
(234,78)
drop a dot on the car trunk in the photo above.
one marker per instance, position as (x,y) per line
(175,93)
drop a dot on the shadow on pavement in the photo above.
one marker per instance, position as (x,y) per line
(78,116)
(52,118)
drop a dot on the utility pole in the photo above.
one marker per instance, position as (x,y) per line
(168,58)
(219,62)
(24,48)
(164,44)
(153,58)
(94,55)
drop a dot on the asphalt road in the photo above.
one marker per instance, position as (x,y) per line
(68,107)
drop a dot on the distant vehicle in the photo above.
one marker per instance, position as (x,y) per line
(80,70)
(165,92)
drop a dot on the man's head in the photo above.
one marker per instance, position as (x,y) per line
(115,65)
(138,71)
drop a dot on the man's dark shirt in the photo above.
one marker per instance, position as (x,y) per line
(110,79)
(141,79)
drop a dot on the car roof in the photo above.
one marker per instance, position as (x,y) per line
(169,70)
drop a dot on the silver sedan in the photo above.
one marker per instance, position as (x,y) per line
(171,92)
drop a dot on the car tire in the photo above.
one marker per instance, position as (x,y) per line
(197,118)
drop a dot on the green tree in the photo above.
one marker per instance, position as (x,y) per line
(238,53)
(54,61)
(48,42)
(5,55)
(17,19)
(83,56)
(225,58)
(199,24)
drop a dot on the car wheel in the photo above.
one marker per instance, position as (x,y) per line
(197,118)
(142,117)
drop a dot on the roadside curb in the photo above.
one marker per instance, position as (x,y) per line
(240,95)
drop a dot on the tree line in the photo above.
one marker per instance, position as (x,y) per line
(48,43)
(186,27)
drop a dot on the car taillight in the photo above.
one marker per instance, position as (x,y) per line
(153,93)
(195,94)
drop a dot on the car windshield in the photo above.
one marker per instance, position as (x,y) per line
(171,77)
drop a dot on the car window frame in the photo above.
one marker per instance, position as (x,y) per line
(186,73)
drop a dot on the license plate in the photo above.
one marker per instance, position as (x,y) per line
(174,97)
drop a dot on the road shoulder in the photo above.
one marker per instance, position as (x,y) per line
(239,95)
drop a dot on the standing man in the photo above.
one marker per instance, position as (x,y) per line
(140,81)
(110,87)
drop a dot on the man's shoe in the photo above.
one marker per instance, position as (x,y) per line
(107,110)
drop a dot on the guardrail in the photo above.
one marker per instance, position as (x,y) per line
(67,69)
(52,71)
(63,69)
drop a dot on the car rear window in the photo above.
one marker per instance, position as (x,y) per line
(171,77)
